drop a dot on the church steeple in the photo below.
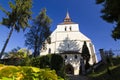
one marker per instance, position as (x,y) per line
(67,18)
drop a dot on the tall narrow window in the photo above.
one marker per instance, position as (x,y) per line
(70,28)
(49,51)
(65,28)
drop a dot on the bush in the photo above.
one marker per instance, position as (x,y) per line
(26,73)
(41,61)
(57,63)
(52,61)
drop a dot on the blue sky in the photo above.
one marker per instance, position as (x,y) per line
(84,12)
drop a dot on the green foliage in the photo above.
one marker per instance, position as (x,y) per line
(18,57)
(101,73)
(17,18)
(41,61)
(26,73)
(39,32)
(25,61)
(50,75)
(86,55)
(19,14)
(53,61)
(45,61)
(85,52)
(21,53)
(35,62)
(109,55)
(56,62)
(99,1)
(111,13)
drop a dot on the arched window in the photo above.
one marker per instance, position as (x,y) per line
(44,46)
(65,56)
(49,40)
(75,56)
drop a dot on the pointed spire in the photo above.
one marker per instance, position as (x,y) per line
(67,18)
(67,15)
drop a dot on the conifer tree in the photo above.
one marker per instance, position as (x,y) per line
(85,54)
(111,14)
(38,33)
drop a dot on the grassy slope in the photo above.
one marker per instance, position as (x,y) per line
(102,74)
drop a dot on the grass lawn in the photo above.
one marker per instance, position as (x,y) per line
(101,72)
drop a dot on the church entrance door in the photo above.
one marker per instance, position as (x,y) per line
(69,69)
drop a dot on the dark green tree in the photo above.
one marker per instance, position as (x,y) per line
(85,54)
(17,18)
(41,61)
(38,33)
(45,61)
(52,61)
(111,13)
(57,63)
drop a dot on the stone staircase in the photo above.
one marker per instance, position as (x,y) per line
(77,77)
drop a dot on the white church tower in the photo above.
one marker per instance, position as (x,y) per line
(67,40)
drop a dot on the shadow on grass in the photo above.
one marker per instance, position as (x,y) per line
(104,75)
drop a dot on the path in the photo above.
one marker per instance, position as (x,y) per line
(78,77)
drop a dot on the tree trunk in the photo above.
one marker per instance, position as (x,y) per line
(6,42)
(35,51)
(35,48)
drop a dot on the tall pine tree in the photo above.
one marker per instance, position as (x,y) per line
(38,33)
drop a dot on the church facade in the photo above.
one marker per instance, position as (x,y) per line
(67,40)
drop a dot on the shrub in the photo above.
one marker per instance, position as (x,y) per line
(26,73)
(52,61)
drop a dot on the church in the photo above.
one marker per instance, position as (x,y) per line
(67,40)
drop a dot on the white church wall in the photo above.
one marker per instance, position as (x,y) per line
(60,36)
(66,27)
(69,31)
(53,36)
(75,62)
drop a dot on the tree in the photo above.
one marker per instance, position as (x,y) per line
(17,18)
(85,54)
(111,13)
(109,55)
(52,61)
(38,33)
(18,53)
(57,63)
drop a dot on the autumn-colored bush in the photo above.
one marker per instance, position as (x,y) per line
(52,61)
(26,73)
